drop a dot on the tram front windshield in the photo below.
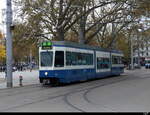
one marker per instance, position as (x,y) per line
(46,59)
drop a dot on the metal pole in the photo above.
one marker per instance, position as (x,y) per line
(9,44)
(139,65)
(30,59)
(132,67)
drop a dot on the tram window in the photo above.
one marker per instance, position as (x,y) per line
(121,60)
(68,58)
(99,63)
(46,59)
(117,60)
(75,58)
(80,58)
(59,59)
(103,63)
(114,60)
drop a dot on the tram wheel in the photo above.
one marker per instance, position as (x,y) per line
(55,82)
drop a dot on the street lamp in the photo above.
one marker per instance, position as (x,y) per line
(9,44)
(138,41)
(131,40)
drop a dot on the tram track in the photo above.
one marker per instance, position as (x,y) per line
(87,87)
(23,90)
(130,78)
(38,87)
(65,94)
(88,90)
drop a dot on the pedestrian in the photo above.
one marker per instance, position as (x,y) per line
(30,67)
(5,74)
(21,67)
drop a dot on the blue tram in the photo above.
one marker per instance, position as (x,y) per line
(66,62)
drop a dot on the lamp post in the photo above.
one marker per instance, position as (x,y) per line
(131,39)
(9,44)
(138,41)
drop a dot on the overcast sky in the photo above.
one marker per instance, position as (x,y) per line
(2,6)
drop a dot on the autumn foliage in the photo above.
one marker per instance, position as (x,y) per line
(2,52)
(2,49)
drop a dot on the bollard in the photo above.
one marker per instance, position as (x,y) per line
(20,80)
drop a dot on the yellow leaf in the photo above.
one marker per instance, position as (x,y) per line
(2,52)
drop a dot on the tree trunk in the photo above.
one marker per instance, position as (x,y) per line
(82,23)
(81,35)
(60,34)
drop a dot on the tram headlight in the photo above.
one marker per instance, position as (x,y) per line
(46,73)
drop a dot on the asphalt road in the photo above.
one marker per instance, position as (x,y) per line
(129,92)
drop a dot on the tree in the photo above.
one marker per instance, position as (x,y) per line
(97,22)
(2,49)
(2,53)
(24,44)
(54,17)
(123,45)
(57,17)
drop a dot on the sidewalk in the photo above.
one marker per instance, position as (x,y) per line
(28,78)
(130,71)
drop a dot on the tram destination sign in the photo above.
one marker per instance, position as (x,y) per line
(47,45)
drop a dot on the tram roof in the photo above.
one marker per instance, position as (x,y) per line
(82,46)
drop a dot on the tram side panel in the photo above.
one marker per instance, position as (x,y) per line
(79,63)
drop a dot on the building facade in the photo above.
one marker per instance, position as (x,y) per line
(143,52)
